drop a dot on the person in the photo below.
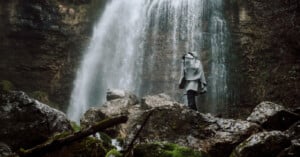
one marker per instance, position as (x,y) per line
(192,78)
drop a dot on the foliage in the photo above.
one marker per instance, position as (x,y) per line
(60,135)
(113,153)
(40,95)
(44,98)
(165,150)
(106,140)
(75,126)
(92,147)
(6,85)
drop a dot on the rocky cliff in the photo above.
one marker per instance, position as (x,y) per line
(264,56)
(41,43)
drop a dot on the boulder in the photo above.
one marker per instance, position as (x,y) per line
(108,109)
(25,122)
(5,150)
(170,121)
(185,127)
(157,101)
(263,144)
(272,116)
(91,116)
(121,94)
(118,104)
(293,134)
(297,110)
(292,151)
(294,131)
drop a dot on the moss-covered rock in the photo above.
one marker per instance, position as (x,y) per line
(106,139)
(165,150)
(113,153)
(87,147)
(6,85)
(41,96)
(26,122)
(75,126)
(92,147)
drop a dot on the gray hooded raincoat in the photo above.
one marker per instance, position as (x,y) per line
(192,74)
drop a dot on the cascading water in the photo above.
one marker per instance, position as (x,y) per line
(137,46)
(112,58)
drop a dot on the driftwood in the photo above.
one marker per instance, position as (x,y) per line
(58,143)
(127,152)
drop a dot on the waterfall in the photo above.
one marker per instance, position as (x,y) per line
(137,46)
(112,58)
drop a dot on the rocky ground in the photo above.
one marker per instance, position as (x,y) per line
(158,126)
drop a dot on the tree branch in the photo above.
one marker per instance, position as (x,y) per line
(57,143)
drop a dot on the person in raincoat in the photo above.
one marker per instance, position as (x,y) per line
(192,78)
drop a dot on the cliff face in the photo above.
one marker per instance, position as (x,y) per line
(41,43)
(265,60)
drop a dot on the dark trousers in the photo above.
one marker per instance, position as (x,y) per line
(191,97)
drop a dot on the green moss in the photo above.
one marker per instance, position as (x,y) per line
(44,98)
(113,153)
(91,143)
(22,151)
(105,138)
(6,85)
(235,152)
(87,147)
(165,150)
(60,135)
(40,95)
(75,126)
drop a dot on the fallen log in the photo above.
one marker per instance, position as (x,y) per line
(128,151)
(58,143)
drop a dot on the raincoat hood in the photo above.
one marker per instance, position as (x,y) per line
(194,53)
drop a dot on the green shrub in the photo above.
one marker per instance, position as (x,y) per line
(165,150)
(75,126)
(113,153)
(41,96)
(6,85)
